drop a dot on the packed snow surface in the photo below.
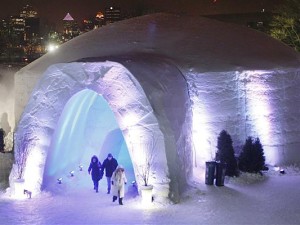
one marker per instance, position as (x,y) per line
(249,199)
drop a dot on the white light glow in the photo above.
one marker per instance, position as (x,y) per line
(33,170)
(19,189)
(201,136)
(240,104)
(259,114)
(257,98)
(129,120)
(146,194)
(52,47)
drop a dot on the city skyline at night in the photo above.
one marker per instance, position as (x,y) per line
(28,31)
(53,12)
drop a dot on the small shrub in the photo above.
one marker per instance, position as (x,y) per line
(252,157)
(2,145)
(225,153)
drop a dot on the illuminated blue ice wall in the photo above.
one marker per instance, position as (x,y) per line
(86,127)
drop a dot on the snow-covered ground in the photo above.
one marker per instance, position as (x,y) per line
(250,199)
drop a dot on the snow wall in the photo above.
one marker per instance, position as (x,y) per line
(263,104)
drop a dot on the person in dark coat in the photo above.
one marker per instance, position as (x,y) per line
(96,171)
(109,165)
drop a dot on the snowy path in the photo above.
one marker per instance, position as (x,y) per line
(272,200)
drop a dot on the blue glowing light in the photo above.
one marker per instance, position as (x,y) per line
(86,127)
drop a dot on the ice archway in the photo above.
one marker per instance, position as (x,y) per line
(140,123)
(86,127)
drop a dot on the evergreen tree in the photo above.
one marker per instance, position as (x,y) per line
(259,156)
(252,157)
(2,133)
(225,153)
(245,157)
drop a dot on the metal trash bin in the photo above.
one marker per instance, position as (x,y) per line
(210,172)
(220,173)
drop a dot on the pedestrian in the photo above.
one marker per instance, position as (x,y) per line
(96,171)
(109,165)
(118,181)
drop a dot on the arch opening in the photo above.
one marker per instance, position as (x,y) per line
(86,127)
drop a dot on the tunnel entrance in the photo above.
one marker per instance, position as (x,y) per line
(60,127)
(86,127)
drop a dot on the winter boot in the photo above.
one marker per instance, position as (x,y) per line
(120,201)
(115,198)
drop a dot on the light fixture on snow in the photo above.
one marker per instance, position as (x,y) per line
(59,180)
(28,193)
(134,184)
(80,167)
(72,173)
(282,171)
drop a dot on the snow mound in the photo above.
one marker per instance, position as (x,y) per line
(252,178)
(246,178)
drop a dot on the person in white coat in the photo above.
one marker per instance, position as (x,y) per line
(118,184)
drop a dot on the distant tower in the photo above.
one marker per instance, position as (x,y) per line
(88,24)
(16,30)
(28,12)
(112,14)
(71,28)
(94,22)
(4,27)
(99,20)
(32,22)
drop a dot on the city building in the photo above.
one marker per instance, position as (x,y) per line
(70,28)
(87,25)
(22,40)
(93,23)
(32,46)
(99,20)
(32,22)
(16,30)
(112,14)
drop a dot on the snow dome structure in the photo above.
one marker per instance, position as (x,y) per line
(160,86)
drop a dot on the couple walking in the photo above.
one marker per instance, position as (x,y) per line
(115,175)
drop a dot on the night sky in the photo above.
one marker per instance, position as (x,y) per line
(53,11)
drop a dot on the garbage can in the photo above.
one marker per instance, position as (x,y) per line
(220,173)
(210,172)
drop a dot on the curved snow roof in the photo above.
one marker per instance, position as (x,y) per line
(191,42)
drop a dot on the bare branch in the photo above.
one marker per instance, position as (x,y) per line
(24,144)
(144,169)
